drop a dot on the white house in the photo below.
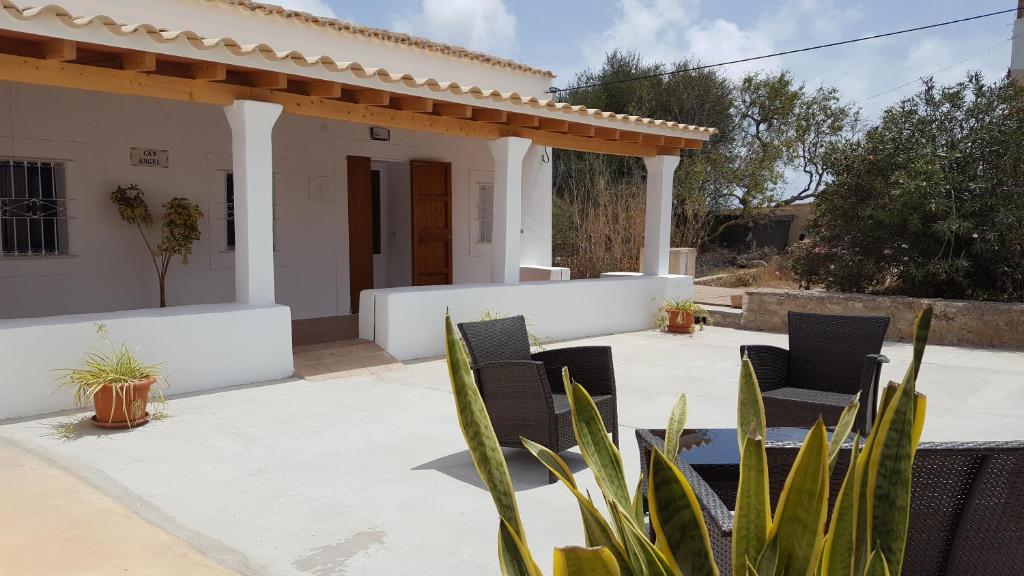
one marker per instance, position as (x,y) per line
(1017,51)
(328,159)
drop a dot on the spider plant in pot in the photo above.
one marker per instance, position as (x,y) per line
(116,382)
(678,315)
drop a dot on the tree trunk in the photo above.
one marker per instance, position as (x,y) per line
(163,291)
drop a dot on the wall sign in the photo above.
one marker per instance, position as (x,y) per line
(150,158)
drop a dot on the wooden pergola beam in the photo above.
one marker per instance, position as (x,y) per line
(553,125)
(60,74)
(523,120)
(412,104)
(266,80)
(490,115)
(453,110)
(586,130)
(138,61)
(57,49)
(318,88)
(365,96)
(625,136)
(208,71)
(653,139)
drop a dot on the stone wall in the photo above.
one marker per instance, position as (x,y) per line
(955,322)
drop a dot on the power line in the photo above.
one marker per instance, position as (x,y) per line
(783,53)
(940,70)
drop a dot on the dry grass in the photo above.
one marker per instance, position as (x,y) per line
(602,231)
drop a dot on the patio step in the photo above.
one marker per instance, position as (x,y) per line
(343,359)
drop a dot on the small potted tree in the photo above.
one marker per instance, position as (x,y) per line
(179,227)
(117,383)
(677,315)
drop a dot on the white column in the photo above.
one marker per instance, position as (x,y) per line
(252,158)
(658,221)
(537,206)
(508,207)
(1017,49)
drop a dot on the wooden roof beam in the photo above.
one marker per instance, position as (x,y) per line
(318,88)
(56,49)
(208,71)
(490,115)
(674,141)
(632,137)
(138,61)
(265,80)
(452,110)
(691,144)
(606,133)
(586,130)
(523,120)
(412,104)
(553,125)
(653,139)
(365,96)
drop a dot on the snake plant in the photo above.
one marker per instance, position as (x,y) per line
(868,527)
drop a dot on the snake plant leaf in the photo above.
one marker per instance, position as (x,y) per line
(478,432)
(676,425)
(551,461)
(750,407)
(577,561)
(920,407)
(750,570)
(598,450)
(922,326)
(596,529)
(889,470)
(638,500)
(677,519)
(753,513)
(799,520)
(877,565)
(769,558)
(838,558)
(513,554)
(842,430)
(645,557)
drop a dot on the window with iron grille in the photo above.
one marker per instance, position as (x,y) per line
(33,208)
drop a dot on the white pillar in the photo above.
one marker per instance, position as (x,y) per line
(508,207)
(537,206)
(658,221)
(252,159)
(1017,49)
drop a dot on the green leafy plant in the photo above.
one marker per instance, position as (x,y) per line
(114,366)
(681,306)
(868,530)
(179,228)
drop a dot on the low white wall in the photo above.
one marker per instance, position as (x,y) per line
(408,322)
(201,347)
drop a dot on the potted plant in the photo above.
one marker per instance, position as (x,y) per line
(679,316)
(117,384)
(179,228)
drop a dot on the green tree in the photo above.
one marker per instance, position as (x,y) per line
(930,202)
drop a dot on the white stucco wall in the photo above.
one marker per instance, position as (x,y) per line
(109,268)
(1017,51)
(408,322)
(218,19)
(198,347)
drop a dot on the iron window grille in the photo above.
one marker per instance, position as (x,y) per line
(33,208)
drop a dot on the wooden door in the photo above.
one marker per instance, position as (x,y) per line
(431,223)
(360,228)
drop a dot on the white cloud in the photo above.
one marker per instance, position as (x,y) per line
(653,28)
(485,25)
(316,7)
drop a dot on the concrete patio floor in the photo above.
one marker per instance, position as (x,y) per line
(369,474)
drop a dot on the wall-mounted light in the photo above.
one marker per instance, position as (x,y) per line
(381,134)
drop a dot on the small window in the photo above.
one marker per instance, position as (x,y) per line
(229,210)
(483,223)
(33,208)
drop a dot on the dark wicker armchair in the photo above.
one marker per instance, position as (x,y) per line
(966,504)
(523,392)
(830,359)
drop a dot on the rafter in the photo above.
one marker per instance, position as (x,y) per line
(523,120)
(412,104)
(553,125)
(490,115)
(138,61)
(452,110)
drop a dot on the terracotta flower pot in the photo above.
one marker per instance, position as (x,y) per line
(122,406)
(680,322)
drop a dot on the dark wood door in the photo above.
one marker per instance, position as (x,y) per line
(431,223)
(360,228)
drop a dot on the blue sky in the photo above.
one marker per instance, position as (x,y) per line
(567,36)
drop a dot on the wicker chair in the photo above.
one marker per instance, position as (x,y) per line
(830,359)
(966,504)
(523,392)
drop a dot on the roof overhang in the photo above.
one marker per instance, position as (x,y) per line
(49,47)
